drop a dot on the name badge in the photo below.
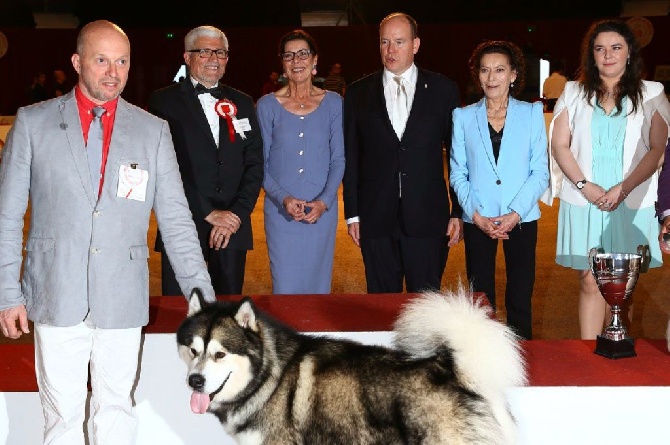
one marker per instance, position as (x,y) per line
(242,125)
(132,183)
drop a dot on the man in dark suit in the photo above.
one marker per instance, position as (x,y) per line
(220,154)
(396,123)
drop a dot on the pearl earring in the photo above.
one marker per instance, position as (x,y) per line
(314,70)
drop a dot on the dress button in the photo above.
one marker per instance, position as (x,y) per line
(219,162)
(218,190)
(498,182)
(301,170)
(301,135)
(97,213)
(300,152)
(302,118)
(94,250)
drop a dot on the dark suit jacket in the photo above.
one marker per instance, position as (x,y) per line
(376,159)
(663,203)
(227,178)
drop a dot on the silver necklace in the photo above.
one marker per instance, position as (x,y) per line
(298,99)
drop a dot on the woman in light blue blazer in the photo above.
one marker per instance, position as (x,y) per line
(499,171)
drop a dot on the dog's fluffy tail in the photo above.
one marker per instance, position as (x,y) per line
(487,354)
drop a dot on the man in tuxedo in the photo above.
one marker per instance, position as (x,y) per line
(93,167)
(397,121)
(220,155)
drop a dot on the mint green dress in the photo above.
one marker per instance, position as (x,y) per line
(582,227)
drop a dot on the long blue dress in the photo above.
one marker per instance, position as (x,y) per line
(304,158)
(621,231)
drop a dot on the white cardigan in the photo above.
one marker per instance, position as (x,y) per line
(636,143)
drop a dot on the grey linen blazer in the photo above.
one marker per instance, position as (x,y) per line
(84,254)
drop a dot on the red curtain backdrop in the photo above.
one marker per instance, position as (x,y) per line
(156,57)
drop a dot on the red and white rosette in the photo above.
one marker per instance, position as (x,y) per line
(227,110)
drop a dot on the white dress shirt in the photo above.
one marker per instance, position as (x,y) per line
(207,102)
(390,88)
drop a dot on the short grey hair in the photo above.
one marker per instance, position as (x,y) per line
(204,31)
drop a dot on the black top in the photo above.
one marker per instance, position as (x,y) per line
(496,139)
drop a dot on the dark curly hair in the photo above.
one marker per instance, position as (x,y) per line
(298,34)
(509,49)
(630,84)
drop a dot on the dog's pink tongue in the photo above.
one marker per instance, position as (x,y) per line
(199,402)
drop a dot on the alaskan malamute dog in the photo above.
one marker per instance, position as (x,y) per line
(443,383)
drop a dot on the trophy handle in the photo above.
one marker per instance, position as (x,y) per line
(592,260)
(643,251)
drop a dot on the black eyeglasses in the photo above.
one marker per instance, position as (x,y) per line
(288,56)
(206,53)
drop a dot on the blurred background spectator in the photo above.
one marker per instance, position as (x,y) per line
(335,81)
(37,92)
(553,85)
(271,84)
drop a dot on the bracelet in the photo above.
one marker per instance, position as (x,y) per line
(625,195)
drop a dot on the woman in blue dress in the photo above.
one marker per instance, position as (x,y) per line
(303,148)
(607,135)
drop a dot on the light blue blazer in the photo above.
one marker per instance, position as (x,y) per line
(521,175)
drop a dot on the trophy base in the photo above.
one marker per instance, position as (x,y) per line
(615,348)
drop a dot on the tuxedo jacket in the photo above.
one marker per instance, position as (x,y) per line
(520,176)
(83,252)
(378,163)
(225,178)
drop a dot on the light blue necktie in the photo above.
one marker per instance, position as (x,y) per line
(94,148)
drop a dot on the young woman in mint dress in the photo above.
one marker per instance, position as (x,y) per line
(607,135)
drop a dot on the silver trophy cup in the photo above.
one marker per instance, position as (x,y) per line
(616,275)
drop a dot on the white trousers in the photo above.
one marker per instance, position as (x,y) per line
(62,359)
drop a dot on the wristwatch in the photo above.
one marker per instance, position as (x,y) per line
(580,184)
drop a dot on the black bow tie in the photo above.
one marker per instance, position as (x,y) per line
(216,91)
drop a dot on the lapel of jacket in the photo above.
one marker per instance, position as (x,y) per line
(379,100)
(506,151)
(118,146)
(195,108)
(71,123)
(421,92)
(484,135)
(224,136)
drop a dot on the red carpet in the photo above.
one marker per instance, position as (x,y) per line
(550,362)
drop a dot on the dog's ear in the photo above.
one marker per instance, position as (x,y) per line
(246,314)
(196,301)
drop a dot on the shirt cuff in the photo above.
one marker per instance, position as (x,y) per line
(355,219)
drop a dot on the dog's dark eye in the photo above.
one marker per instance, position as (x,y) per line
(194,352)
(220,355)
